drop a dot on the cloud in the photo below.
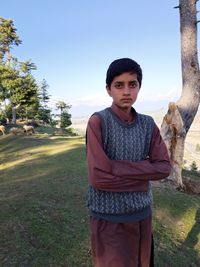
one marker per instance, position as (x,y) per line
(170,95)
(90,103)
(99,99)
(89,100)
(102,99)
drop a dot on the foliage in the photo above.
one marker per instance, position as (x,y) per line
(193,167)
(65,117)
(23,90)
(18,87)
(65,120)
(44,114)
(62,106)
(8,112)
(2,119)
(43,93)
(17,84)
(72,132)
(192,175)
(8,37)
(6,74)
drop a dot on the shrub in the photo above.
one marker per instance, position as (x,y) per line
(3,119)
(193,167)
(71,132)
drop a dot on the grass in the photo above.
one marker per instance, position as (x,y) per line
(194,175)
(176,228)
(43,215)
(44,221)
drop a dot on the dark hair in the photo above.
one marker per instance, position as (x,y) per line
(119,66)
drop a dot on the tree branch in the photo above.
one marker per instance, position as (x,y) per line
(197,21)
(177,6)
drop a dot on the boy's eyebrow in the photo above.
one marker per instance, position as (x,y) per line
(135,80)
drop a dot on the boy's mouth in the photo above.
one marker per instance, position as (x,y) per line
(126,99)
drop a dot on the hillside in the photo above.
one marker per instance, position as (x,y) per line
(44,220)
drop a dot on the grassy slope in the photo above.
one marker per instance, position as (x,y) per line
(44,220)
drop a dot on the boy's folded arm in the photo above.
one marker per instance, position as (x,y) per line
(118,175)
(109,182)
(100,166)
(156,167)
(142,170)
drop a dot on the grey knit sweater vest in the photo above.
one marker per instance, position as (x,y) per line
(122,142)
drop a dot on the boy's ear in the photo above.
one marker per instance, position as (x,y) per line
(108,90)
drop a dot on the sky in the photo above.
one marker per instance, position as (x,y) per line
(73,42)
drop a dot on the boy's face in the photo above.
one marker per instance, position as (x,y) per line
(124,90)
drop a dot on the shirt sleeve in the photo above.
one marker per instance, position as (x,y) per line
(121,175)
(156,167)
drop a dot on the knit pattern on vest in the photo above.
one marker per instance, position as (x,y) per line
(122,142)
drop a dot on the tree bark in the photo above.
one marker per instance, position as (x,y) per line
(14,113)
(180,115)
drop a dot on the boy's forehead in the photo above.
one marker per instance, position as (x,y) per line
(125,76)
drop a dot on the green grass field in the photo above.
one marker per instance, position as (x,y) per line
(44,221)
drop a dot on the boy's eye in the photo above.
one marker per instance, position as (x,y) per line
(118,85)
(133,84)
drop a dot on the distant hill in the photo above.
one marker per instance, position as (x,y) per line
(80,123)
(192,142)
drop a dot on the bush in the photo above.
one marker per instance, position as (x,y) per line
(65,120)
(193,167)
(3,119)
(71,132)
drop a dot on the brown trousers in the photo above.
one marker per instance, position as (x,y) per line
(121,244)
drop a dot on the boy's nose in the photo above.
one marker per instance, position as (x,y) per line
(126,90)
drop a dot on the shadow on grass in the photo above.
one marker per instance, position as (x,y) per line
(13,144)
(175,202)
(19,151)
(192,237)
(192,240)
(43,213)
(173,216)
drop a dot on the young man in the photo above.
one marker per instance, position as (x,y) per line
(124,152)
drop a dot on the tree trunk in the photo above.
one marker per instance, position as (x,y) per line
(180,115)
(14,114)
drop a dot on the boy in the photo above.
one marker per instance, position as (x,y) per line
(124,152)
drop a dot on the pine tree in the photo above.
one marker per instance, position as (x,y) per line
(65,117)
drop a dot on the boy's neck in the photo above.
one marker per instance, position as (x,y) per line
(126,110)
(125,114)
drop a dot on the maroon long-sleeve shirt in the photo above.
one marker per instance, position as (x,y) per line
(124,175)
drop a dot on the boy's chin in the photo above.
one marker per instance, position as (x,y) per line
(125,107)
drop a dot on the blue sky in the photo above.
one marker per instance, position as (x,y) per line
(73,42)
